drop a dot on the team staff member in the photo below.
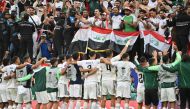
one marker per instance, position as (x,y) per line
(184,82)
(26,30)
(167,81)
(151,88)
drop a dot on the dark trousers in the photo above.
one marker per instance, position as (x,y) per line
(1,51)
(184,97)
(26,45)
(58,46)
(182,43)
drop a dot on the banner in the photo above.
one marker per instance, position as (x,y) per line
(119,39)
(3,4)
(79,42)
(99,39)
(154,41)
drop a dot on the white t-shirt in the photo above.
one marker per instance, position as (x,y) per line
(97,23)
(123,70)
(155,21)
(11,83)
(116,21)
(109,71)
(88,64)
(141,26)
(59,4)
(36,20)
(162,23)
(63,78)
(152,4)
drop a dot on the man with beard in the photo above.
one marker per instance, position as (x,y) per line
(162,23)
(129,22)
(80,24)
(33,18)
(58,35)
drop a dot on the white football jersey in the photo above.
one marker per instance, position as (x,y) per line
(140,80)
(11,83)
(109,71)
(88,64)
(3,83)
(63,78)
(123,70)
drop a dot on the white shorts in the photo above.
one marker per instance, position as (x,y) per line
(42,97)
(140,94)
(53,96)
(168,94)
(3,95)
(63,90)
(75,90)
(11,94)
(90,91)
(26,97)
(108,87)
(123,90)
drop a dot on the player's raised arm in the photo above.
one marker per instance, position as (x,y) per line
(178,56)
(38,63)
(63,70)
(125,48)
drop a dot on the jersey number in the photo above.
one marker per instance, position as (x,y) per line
(108,67)
(140,78)
(123,70)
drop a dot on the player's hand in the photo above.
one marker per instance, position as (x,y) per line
(84,76)
(160,54)
(136,56)
(155,54)
(128,42)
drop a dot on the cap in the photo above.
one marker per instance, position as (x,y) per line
(43,35)
(127,8)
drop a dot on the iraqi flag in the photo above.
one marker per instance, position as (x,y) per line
(119,40)
(99,38)
(79,42)
(3,4)
(154,41)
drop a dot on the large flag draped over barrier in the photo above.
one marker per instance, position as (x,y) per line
(100,39)
(79,42)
